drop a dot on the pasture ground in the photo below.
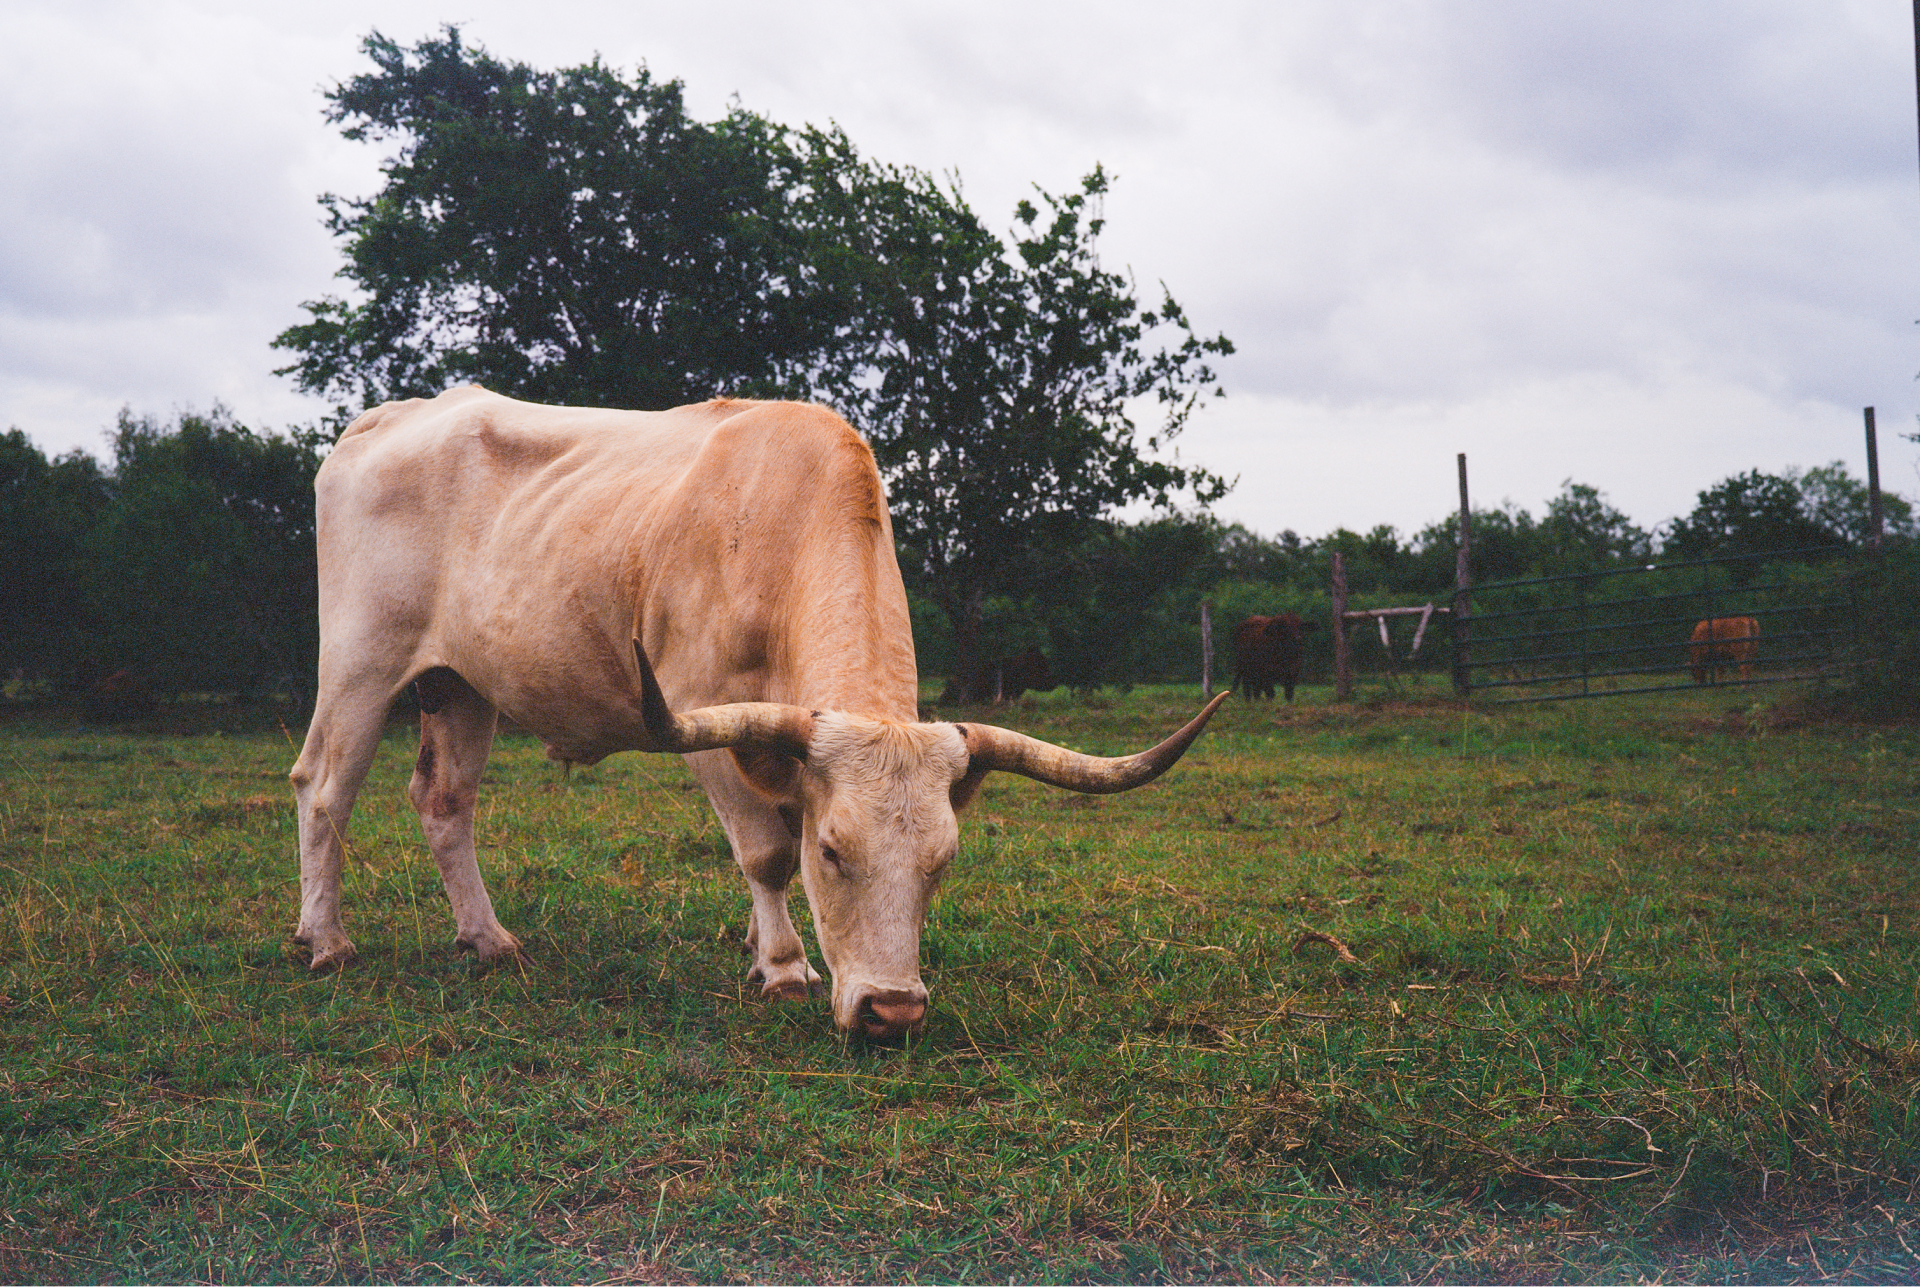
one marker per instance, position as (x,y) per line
(1632,996)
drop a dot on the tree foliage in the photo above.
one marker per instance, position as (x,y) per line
(1109,602)
(188,562)
(210,533)
(574,236)
(1001,390)
(47,511)
(563,236)
(1583,533)
(1750,513)
(1840,503)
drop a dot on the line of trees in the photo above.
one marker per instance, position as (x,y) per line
(186,560)
(1124,604)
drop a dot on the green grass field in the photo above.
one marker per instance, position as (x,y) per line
(1384,992)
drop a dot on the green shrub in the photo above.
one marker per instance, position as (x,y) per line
(1884,679)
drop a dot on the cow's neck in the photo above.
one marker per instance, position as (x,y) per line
(850,641)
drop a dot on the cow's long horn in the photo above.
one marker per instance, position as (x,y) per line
(991,747)
(770,725)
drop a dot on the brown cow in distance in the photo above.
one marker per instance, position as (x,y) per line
(1267,651)
(1002,680)
(1723,642)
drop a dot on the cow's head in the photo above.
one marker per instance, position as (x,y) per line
(878,826)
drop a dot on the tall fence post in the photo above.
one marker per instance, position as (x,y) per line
(1713,614)
(1342,660)
(1462,582)
(1876,519)
(1206,649)
(1586,639)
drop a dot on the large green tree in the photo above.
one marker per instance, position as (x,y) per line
(1000,385)
(566,236)
(574,236)
(1839,502)
(1749,514)
(1582,532)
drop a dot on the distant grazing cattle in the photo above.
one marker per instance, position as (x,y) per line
(1267,651)
(1720,642)
(1001,680)
(717,580)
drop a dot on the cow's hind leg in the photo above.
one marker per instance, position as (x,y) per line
(456,734)
(768,853)
(340,745)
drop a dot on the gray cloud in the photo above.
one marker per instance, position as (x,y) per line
(1641,245)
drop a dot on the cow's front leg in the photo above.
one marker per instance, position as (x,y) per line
(779,960)
(456,733)
(768,854)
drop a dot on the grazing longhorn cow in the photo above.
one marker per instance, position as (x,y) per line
(1723,641)
(1002,681)
(1267,651)
(589,573)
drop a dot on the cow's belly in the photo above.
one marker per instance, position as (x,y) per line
(559,670)
(564,669)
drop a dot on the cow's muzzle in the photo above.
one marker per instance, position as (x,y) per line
(890,1013)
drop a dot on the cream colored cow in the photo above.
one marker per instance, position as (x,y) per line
(589,573)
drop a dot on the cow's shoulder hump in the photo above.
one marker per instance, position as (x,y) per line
(803,444)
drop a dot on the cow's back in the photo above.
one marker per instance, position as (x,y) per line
(456,515)
(525,547)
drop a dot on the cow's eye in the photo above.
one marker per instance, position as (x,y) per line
(831,854)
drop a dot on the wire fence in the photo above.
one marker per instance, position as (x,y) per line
(1646,629)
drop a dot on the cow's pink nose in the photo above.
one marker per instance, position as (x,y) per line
(888,1014)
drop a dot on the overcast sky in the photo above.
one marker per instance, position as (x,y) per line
(1638,244)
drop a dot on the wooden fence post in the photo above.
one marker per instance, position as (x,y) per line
(1206,649)
(1342,662)
(1462,581)
(1876,520)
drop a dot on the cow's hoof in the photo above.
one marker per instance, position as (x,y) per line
(331,959)
(791,986)
(487,948)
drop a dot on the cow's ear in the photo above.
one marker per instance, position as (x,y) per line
(771,773)
(961,793)
(967,785)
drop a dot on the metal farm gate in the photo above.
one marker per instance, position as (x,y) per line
(1630,630)
(1769,617)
